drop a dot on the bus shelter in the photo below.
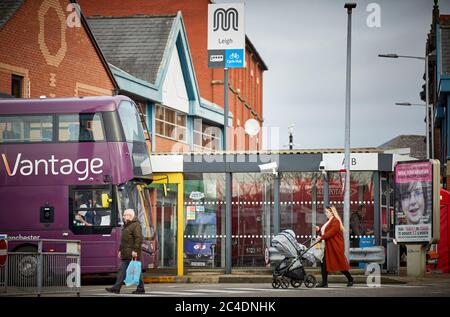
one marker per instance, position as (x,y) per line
(269,192)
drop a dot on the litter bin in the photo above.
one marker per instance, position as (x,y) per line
(365,242)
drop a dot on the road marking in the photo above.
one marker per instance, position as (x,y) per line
(123,294)
(217,291)
(255,289)
(187,292)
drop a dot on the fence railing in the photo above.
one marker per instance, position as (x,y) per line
(53,268)
(373,254)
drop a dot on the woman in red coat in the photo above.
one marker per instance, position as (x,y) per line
(334,258)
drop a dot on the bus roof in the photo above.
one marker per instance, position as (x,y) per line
(60,105)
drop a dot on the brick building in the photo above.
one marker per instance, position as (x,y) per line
(246,85)
(150,59)
(438,48)
(47,50)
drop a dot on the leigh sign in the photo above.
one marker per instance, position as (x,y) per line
(226,35)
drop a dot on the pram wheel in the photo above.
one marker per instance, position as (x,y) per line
(276,283)
(310,281)
(296,284)
(284,283)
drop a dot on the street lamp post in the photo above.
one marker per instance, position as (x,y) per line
(408,104)
(427,102)
(349,7)
(291,137)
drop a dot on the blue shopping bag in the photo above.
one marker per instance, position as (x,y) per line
(133,273)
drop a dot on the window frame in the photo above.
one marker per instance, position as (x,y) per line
(55,127)
(83,230)
(14,79)
(206,136)
(31,115)
(176,126)
(137,197)
(139,121)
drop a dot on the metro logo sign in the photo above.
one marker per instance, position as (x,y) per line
(52,166)
(226,35)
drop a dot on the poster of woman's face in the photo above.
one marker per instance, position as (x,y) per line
(413,201)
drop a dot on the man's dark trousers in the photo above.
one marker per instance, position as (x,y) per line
(121,274)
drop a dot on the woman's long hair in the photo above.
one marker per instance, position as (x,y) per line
(336,215)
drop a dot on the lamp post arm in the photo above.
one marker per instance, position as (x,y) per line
(413,57)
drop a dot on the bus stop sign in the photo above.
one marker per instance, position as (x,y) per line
(3,252)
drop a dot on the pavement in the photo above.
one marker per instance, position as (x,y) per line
(258,283)
(234,291)
(255,276)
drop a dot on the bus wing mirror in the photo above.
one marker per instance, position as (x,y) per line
(165,189)
(105,201)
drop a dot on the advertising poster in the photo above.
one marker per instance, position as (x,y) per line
(413,202)
(190,213)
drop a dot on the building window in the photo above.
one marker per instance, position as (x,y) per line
(170,124)
(207,137)
(17,86)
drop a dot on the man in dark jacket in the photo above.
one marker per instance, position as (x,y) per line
(357,225)
(130,248)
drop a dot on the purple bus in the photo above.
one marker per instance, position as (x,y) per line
(68,169)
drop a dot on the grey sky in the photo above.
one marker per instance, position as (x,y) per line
(304,45)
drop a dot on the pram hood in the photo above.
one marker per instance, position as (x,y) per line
(286,244)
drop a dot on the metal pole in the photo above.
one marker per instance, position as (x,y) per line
(276,209)
(326,191)
(228,253)
(426,107)
(291,141)
(225,109)
(376,208)
(313,208)
(349,7)
(163,229)
(39,268)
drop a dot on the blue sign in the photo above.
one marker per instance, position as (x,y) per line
(234,58)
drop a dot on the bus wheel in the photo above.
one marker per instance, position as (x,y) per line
(23,269)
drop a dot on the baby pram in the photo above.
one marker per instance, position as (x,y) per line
(293,257)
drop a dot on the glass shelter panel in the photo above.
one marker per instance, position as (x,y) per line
(252,207)
(166,225)
(302,202)
(204,215)
(361,204)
